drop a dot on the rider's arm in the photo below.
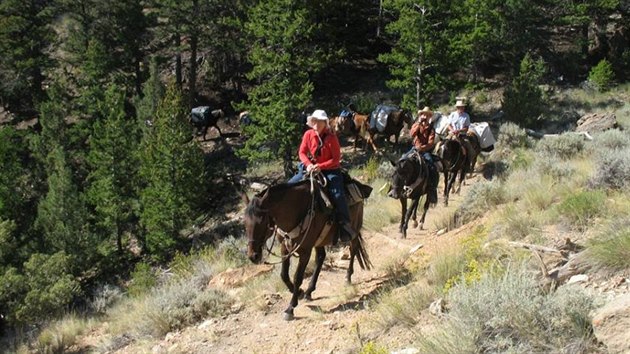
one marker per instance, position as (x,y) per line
(304,149)
(414,129)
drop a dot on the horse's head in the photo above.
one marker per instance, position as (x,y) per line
(258,227)
(407,117)
(406,171)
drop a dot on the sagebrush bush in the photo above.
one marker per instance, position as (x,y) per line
(581,208)
(611,139)
(554,167)
(564,146)
(602,75)
(612,170)
(385,170)
(516,224)
(507,312)
(611,248)
(481,197)
(171,306)
(511,135)
(104,297)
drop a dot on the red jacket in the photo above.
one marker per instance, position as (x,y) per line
(423,137)
(329,156)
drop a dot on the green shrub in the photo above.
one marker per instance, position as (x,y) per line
(42,292)
(564,146)
(481,98)
(523,100)
(553,166)
(143,278)
(611,249)
(581,208)
(371,169)
(373,348)
(509,313)
(403,306)
(602,75)
(516,224)
(612,170)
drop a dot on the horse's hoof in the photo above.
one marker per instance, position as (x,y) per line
(415,223)
(420,226)
(308,297)
(288,316)
(300,294)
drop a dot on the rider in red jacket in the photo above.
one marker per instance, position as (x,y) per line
(320,152)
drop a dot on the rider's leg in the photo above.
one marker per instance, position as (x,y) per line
(298,176)
(336,188)
(433,177)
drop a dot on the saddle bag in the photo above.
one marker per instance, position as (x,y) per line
(199,115)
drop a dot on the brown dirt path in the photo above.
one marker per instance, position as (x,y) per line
(338,320)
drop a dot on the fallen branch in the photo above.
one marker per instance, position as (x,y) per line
(538,248)
(539,135)
(577,264)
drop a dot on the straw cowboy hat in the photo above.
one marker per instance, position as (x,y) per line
(426,110)
(318,114)
(460,103)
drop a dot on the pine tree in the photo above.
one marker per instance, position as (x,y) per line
(420,54)
(113,165)
(283,56)
(24,37)
(173,175)
(523,100)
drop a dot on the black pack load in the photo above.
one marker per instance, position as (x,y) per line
(200,115)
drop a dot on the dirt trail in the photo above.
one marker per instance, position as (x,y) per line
(338,319)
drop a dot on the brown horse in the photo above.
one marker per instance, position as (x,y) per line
(410,180)
(286,207)
(395,121)
(355,125)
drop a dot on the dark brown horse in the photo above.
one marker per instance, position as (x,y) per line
(354,124)
(208,121)
(454,161)
(410,180)
(285,206)
(395,122)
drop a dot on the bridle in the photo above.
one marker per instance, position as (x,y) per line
(318,178)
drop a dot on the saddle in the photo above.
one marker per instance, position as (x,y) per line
(355,192)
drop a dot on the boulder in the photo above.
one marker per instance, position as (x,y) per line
(611,325)
(596,122)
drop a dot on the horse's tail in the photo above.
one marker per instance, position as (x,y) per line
(362,256)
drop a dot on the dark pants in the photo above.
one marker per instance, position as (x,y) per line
(335,187)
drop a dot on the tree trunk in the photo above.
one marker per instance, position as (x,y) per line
(178,60)
(193,69)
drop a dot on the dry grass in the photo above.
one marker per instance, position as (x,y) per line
(380,210)
(59,336)
(610,249)
(402,306)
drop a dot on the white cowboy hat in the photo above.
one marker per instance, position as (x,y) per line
(460,103)
(319,114)
(427,111)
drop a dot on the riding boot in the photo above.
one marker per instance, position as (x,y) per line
(346,232)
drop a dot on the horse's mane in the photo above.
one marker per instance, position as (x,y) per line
(269,195)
